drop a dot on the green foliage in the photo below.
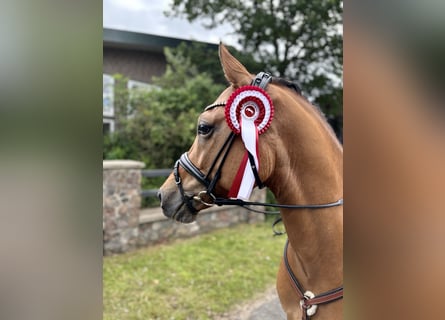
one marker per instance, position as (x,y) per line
(298,39)
(192,279)
(163,120)
(121,97)
(207,61)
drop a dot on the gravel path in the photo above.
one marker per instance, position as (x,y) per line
(264,307)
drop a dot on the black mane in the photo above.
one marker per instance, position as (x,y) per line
(287,83)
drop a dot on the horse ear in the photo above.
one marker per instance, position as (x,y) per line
(234,71)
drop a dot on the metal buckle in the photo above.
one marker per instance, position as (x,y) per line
(261,80)
(311,309)
(209,201)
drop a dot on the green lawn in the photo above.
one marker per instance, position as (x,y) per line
(194,278)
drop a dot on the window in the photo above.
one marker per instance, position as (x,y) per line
(108,95)
(135,87)
(107,126)
(108,119)
(138,85)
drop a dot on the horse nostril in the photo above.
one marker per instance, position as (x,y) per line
(159,196)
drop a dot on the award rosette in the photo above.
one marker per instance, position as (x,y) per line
(249,112)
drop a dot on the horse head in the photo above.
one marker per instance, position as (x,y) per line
(215,151)
(296,155)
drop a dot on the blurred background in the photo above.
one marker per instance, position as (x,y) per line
(160,69)
(55,133)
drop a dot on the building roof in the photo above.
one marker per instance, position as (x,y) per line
(143,41)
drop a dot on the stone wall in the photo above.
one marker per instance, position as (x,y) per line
(155,228)
(121,204)
(126,226)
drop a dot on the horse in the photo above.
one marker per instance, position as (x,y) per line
(298,157)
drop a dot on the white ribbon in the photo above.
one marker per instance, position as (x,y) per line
(249,135)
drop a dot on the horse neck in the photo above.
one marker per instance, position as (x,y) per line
(311,173)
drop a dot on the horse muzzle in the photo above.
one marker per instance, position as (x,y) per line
(174,208)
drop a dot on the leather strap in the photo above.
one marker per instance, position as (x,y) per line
(258,181)
(185,199)
(261,80)
(242,203)
(323,298)
(193,170)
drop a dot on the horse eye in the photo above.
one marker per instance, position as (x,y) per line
(204,129)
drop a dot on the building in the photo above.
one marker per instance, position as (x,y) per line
(138,57)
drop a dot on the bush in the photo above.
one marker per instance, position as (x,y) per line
(161,122)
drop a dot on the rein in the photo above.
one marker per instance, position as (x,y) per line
(207,198)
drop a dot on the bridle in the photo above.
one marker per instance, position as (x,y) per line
(308,301)
(207,197)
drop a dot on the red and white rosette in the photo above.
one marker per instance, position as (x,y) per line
(249,112)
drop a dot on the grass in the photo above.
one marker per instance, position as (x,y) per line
(194,278)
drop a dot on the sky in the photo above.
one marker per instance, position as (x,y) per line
(147,16)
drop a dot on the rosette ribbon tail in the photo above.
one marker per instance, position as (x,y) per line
(249,112)
(244,181)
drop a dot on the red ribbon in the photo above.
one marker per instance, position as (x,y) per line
(249,112)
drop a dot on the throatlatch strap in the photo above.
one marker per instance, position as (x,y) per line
(258,181)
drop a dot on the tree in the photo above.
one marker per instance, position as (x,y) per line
(162,123)
(296,39)
(206,60)
(120,100)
